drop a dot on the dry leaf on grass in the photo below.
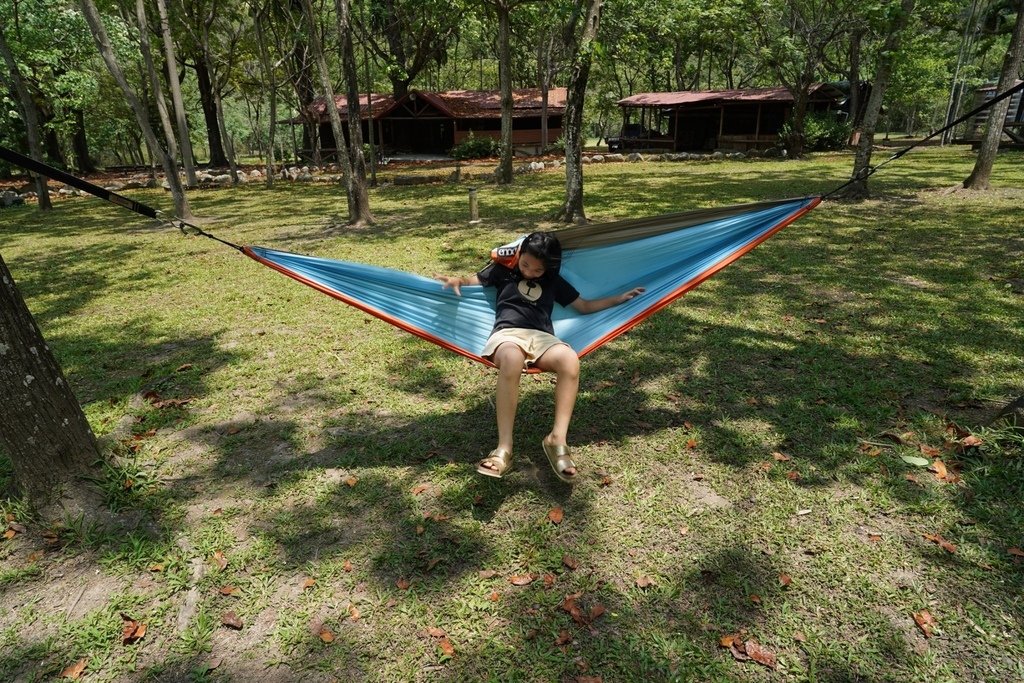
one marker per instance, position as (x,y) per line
(939,468)
(563,638)
(941,542)
(231,620)
(307,583)
(133,630)
(785,580)
(347,566)
(220,560)
(446,647)
(755,598)
(352,481)
(692,443)
(522,579)
(570,562)
(760,654)
(1016,552)
(606,480)
(555,515)
(644,582)
(781,457)
(799,637)
(436,632)
(326,635)
(793,475)
(925,621)
(419,488)
(487,573)
(402,584)
(494,596)
(229,590)
(74,671)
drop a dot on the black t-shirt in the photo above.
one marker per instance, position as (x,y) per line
(526,303)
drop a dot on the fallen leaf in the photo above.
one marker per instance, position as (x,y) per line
(728,640)
(35,555)
(436,632)
(971,441)
(326,635)
(785,580)
(911,478)
(347,566)
(738,651)
(213,664)
(353,612)
(570,562)
(522,579)
(556,515)
(494,596)
(222,562)
(419,488)
(446,647)
(606,481)
(132,631)
(915,460)
(793,475)
(549,580)
(941,542)
(75,670)
(1016,552)
(929,451)
(487,573)
(766,466)
(420,529)
(644,582)
(218,511)
(759,654)
(804,512)
(233,429)
(155,567)
(755,598)
(874,538)
(925,621)
(692,443)
(684,530)
(229,590)
(563,638)
(589,679)
(596,611)
(800,637)
(939,468)
(781,457)
(402,584)
(231,620)
(183,368)
(307,583)
(352,481)
(10,533)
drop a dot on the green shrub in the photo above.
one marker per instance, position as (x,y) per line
(822,131)
(475,148)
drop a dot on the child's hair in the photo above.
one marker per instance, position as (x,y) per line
(546,247)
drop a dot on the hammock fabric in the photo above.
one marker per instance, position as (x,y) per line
(668,255)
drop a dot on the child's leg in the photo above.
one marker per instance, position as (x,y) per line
(564,362)
(509,358)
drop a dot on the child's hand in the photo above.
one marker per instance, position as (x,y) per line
(455,283)
(635,292)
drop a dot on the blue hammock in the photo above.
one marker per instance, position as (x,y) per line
(668,255)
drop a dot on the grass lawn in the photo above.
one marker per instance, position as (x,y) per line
(747,455)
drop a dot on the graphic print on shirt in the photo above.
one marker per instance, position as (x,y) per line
(530,290)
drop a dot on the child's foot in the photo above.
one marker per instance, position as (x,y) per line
(560,460)
(495,464)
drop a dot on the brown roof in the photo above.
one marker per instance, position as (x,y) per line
(671,99)
(381,103)
(458,104)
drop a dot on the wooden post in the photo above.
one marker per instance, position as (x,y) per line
(474,207)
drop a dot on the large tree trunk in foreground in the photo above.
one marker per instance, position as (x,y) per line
(42,427)
(32,126)
(572,210)
(979,178)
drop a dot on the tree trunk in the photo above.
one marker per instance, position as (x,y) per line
(572,210)
(856,38)
(171,144)
(858,189)
(340,147)
(209,105)
(42,427)
(184,140)
(505,83)
(31,115)
(796,139)
(979,178)
(92,17)
(80,144)
(358,196)
(269,83)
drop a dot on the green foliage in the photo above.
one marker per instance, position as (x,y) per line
(823,131)
(476,148)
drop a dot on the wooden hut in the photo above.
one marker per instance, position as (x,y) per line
(1013,125)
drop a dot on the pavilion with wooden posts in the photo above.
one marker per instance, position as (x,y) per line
(426,122)
(704,120)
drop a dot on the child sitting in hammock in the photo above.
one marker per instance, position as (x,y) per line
(523,336)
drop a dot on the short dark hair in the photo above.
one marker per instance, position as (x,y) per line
(546,247)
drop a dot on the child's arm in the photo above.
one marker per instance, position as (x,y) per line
(457,282)
(594,305)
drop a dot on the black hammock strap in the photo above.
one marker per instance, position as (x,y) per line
(870,170)
(30,164)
